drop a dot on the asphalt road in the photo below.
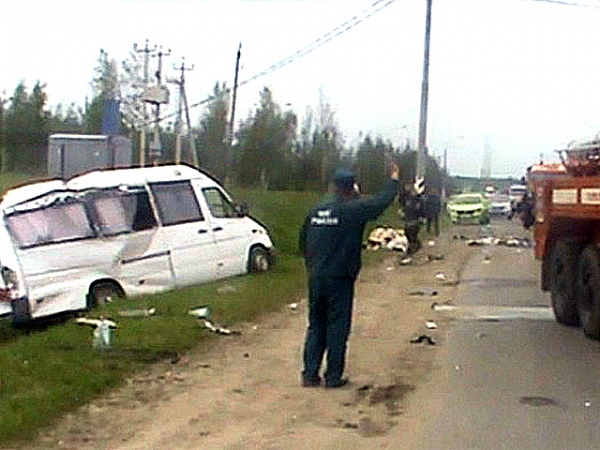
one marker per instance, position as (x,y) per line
(511,377)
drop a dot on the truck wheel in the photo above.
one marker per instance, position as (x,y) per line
(588,292)
(258,260)
(103,293)
(563,278)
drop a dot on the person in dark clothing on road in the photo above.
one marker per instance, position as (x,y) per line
(433,207)
(413,207)
(331,242)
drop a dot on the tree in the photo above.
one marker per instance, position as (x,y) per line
(212,136)
(327,141)
(26,130)
(371,163)
(266,141)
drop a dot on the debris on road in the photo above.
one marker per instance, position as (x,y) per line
(424,291)
(218,329)
(227,289)
(437,257)
(431,324)
(441,276)
(137,312)
(103,331)
(293,306)
(489,240)
(201,312)
(388,238)
(405,261)
(422,338)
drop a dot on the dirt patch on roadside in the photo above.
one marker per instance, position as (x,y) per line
(244,391)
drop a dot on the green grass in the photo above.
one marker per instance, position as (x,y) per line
(52,369)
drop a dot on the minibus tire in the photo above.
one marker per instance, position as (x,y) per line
(103,293)
(258,260)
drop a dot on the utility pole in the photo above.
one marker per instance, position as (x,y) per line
(156,153)
(146,51)
(182,103)
(229,145)
(422,150)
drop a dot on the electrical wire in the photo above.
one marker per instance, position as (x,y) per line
(373,9)
(367,13)
(565,3)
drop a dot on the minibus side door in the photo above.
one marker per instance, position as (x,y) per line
(186,232)
(232,232)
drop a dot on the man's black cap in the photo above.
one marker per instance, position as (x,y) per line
(344,179)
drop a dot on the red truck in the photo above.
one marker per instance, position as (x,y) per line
(567,234)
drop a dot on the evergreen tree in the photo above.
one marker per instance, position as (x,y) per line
(266,141)
(26,130)
(213,134)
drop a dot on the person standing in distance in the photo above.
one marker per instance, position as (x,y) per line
(331,243)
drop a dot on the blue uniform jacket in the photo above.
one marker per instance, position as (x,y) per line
(331,235)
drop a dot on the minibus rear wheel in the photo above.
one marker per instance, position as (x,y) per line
(102,293)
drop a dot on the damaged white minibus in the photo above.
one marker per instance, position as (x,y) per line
(68,245)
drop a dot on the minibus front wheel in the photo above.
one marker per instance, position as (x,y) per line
(102,293)
(259,260)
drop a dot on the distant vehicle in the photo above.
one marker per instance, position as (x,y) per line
(468,208)
(500,205)
(516,193)
(70,245)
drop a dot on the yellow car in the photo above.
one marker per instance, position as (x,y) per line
(469,208)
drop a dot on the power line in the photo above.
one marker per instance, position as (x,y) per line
(565,3)
(327,37)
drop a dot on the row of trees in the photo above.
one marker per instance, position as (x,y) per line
(269,148)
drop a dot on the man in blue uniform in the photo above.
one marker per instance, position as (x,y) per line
(331,242)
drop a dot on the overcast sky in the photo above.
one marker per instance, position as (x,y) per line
(515,78)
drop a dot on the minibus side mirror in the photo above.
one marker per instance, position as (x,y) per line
(241,209)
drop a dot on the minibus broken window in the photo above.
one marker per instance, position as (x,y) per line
(176,203)
(56,223)
(116,211)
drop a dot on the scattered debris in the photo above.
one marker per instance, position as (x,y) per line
(423,338)
(538,401)
(441,276)
(137,312)
(293,306)
(388,238)
(431,243)
(587,403)
(442,307)
(424,291)
(201,312)
(405,261)
(226,289)
(437,257)
(103,331)
(216,328)
(431,324)
(489,240)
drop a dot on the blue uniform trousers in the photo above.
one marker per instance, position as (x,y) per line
(329,321)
